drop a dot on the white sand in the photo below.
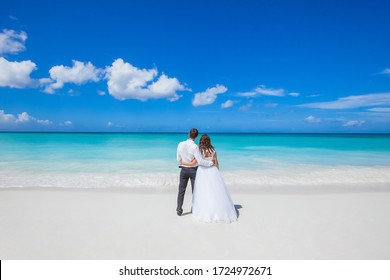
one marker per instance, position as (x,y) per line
(124,224)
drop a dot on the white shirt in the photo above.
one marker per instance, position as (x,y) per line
(187,151)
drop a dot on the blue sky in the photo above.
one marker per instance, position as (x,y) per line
(220,66)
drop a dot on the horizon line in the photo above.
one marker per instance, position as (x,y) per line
(186,132)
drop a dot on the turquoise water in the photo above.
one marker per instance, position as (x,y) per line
(103,154)
(79,152)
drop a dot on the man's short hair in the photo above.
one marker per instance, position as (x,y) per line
(193,133)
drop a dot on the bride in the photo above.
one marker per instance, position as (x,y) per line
(211,200)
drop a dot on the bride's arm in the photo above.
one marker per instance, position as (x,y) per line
(191,163)
(216,163)
(201,161)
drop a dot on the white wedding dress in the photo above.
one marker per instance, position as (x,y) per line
(211,201)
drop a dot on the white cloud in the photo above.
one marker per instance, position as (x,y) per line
(166,87)
(21,119)
(354,123)
(246,107)
(25,118)
(355,101)
(73,92)
(12,41)
(208,96)
(263,90)
(227,104)
(16,74)
(101,92)
(112,125)
(380,109)
(269,91)
(66,123)
(294,94)
(80,73)
(312,119)
(126,81)
(248,94)
(44,122)
(386,71)
(6,118)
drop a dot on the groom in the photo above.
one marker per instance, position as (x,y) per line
(187,151)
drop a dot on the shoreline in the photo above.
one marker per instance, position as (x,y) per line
(296,177)
(118,223)
(270,189)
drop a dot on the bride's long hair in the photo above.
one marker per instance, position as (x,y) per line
(205,146)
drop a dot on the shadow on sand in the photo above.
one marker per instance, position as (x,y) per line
(236,206)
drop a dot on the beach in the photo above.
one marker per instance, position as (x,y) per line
(113,196)
(59,223)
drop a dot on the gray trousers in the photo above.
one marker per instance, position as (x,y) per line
(186,173)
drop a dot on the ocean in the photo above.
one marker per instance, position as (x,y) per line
(148,160)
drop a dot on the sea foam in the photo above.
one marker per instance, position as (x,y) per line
(293,176)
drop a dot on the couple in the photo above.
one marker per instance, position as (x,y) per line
(211,201)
